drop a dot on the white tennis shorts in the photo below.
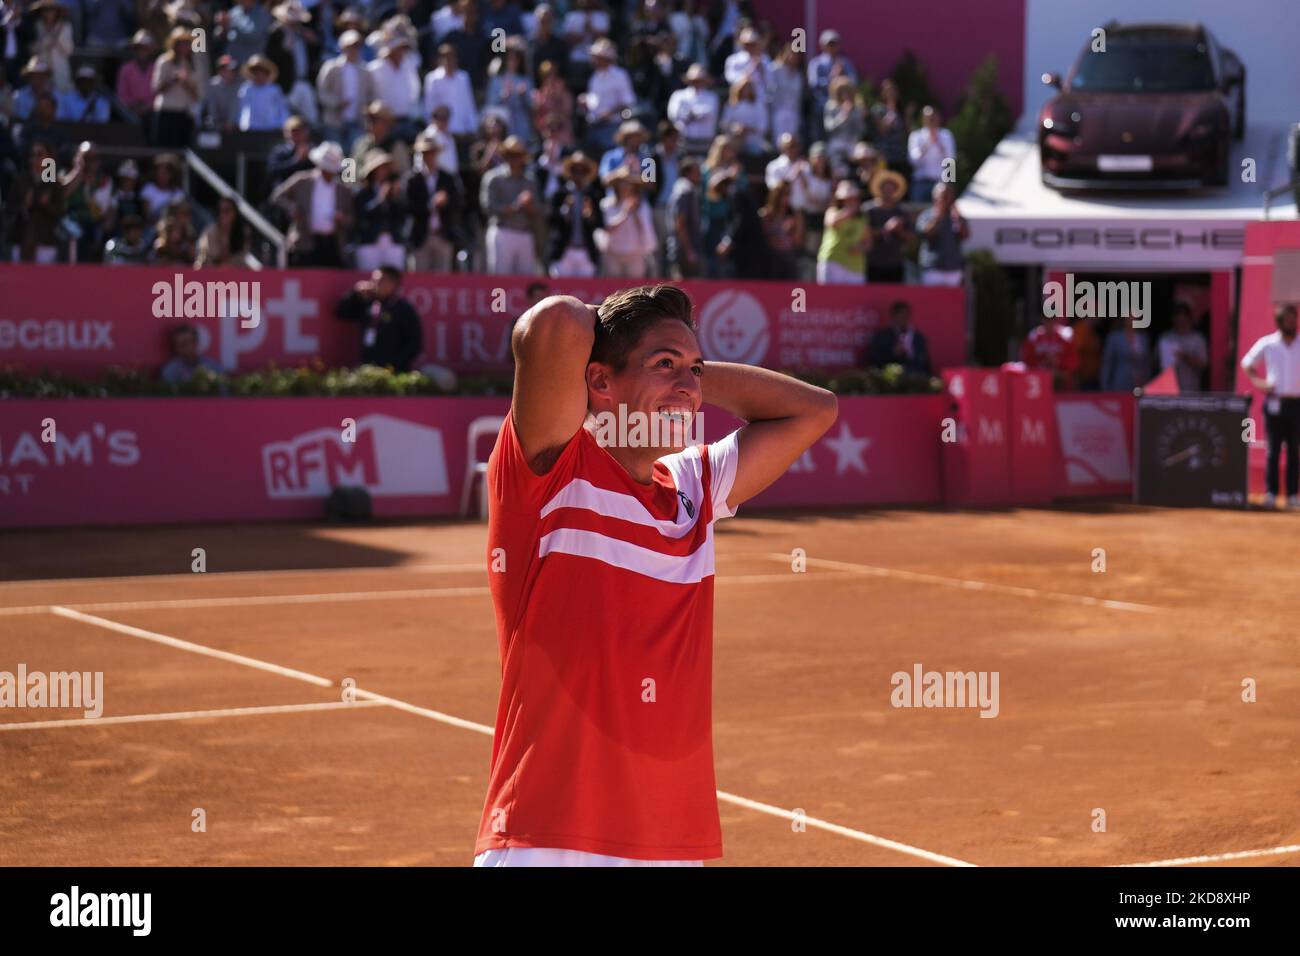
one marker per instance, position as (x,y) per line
(545,856)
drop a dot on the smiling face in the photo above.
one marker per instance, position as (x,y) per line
(661,379)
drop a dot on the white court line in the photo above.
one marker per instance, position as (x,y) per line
(843,831)
(189,715)
(966,584)
(130,631)
(484,729)
(331,597)
(1214,858)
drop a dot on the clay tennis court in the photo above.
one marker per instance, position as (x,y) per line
(1119,690)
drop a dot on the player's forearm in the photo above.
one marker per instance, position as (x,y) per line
(758,394)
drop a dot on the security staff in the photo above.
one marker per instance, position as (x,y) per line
(1281,386)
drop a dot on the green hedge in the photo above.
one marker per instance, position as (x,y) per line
(115,382)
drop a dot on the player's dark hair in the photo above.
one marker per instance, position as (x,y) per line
(391,272)
(625,315)
(1282,313)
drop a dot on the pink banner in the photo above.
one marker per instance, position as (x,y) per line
(77,319)
(1096,442)
(1031,428)
(976,455)
(141,461)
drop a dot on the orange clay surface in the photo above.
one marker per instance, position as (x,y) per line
(1132,707)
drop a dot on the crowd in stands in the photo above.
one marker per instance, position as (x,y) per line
(634,138)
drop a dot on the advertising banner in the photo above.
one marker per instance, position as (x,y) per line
(78,319)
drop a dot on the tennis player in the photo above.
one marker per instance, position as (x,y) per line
(602,578)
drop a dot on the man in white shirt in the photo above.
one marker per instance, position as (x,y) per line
(694,111)
(449,86)
(790,167)
(1280,352)
(609,93)
(344,87)
(397,84)
(750,61)
(440,130)
(1183,349)
(927,148)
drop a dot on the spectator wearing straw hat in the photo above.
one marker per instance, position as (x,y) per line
(221,102)
(38,76)
(846,239)
(435,206)
(629,228)
(319,206)
(630,151)
(381,214)
(86,102)
(179,81)
(135,76)
(381,133)
(575,217)
(244,28)
(262,105)
(513,206)
(609,93)
(53,41)
(291,44)
(344,87)
(695,111)
(396,79)
(292,154)
(891,227)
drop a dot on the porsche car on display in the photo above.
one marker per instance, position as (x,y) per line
(1146,106)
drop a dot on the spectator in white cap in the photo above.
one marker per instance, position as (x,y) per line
(319,206)
(694,111)
(86,102)
(345,87)
(824,69)
(609,93)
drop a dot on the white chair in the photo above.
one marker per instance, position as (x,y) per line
(474,469)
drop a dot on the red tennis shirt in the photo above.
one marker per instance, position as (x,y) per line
(604,729)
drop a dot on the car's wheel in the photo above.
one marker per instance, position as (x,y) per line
(1239,133)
